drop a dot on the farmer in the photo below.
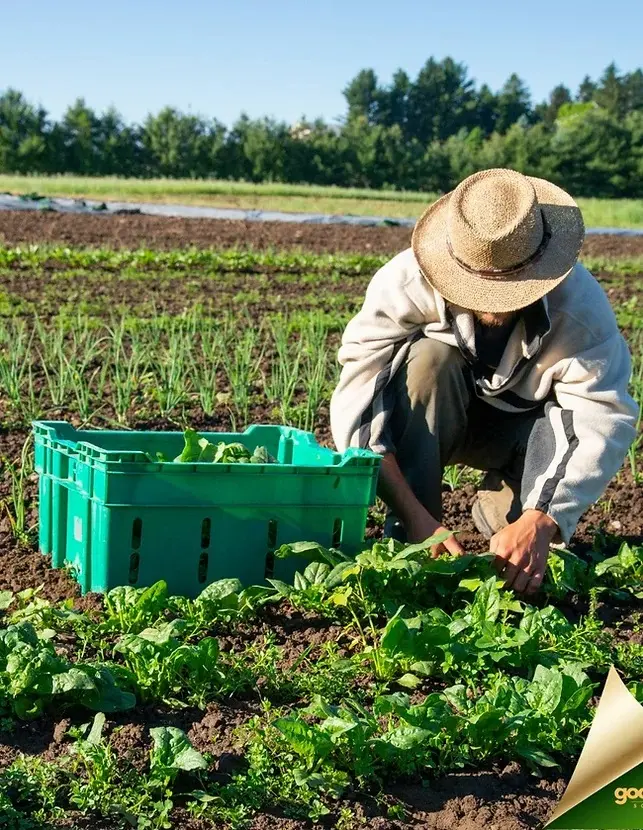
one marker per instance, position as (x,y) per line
(487,343)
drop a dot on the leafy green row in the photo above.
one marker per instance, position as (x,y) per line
(333,747)
(493,678)
(447,730)
(387,600)
(36,256)
(241,260)
(614,265)
(492,630)
(390,572)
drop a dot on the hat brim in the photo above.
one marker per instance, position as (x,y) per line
(517,290)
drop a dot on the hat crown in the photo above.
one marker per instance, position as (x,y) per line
(494,222)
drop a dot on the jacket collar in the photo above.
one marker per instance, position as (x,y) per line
(524,343)
(537,324)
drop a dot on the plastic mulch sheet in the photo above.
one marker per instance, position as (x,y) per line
(59,205)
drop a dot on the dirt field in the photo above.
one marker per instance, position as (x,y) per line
(502,796)
(161,233)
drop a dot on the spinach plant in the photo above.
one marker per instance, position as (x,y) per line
(201,450)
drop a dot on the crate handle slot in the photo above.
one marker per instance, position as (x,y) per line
(137,533)
(134,562)
(272,544)
(204,558)
(338,532)
(203,566)
(135,557)
(206,530)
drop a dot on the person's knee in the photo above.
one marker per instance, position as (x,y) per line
(432,365)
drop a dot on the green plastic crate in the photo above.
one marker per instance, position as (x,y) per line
(118,518)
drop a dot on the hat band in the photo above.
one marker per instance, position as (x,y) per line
(499,273)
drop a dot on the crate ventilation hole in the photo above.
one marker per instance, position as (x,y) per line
(135,557)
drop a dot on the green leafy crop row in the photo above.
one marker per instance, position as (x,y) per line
(37,256)
(491,677)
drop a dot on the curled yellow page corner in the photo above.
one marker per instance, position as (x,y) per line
(613,747)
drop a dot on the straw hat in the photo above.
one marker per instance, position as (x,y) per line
(499,241)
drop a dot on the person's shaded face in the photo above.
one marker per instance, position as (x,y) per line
(495,320)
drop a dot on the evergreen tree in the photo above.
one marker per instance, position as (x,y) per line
(486,110)
(23,135)
(179,145)
(611,92)
(362,96)
(633,88)
(118,146)
(392,102)
(441,101)
(80,134)
(586,90)
(514,102)
(548,112)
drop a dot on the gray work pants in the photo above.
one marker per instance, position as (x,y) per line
(437,419)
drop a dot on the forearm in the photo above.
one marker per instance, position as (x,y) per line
(395,491)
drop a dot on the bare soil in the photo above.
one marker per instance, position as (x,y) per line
(165,232)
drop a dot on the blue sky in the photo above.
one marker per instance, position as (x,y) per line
(288,58)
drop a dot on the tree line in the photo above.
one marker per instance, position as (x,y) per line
(422,134)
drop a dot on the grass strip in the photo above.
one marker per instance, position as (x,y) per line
(617,213)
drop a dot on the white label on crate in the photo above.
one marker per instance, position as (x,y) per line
(78,529)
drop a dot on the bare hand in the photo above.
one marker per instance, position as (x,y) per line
(522,549)
(418,523)
(423,526)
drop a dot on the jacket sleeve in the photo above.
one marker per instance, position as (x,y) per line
(589,426)
(374,346)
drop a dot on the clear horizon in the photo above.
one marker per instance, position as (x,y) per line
(288,61)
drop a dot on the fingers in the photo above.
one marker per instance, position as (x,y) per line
(514,566)
(437,550)
(502,557)
(495,546)
(450,545)
(514,570)
(519,576)
(516,574)
(521,580)
(535,581)
(509,573)
(453,546)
